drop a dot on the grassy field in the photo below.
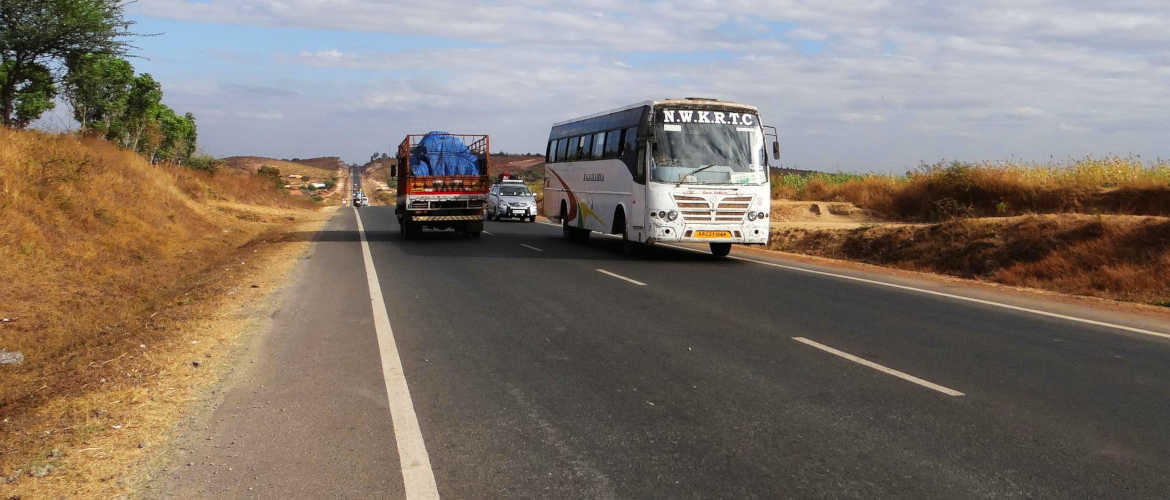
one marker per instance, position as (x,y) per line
(317,170)
(1109,256)
(957,190)
(101,254)
(1094,227)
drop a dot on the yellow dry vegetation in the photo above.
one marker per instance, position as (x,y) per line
(108,263)
(1120,257)
(253,163)
(1112,185)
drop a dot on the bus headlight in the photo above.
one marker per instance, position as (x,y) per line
(761,215)
(751,216)
(672,215)
(662,214)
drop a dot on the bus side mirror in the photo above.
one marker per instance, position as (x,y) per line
(775,149)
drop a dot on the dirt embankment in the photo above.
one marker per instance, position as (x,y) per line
(376,181)
(1112,256)
(108,262)
(1074,228)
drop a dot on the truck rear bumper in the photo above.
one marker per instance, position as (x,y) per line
(446,218)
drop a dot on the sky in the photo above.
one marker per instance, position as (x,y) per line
(855,86)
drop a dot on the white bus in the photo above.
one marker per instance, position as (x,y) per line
(675,170)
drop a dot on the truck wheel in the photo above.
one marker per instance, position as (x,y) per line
(720,249)
(410,228)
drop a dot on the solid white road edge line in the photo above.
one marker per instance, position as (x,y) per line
(968,299)
(417,476)
(530,247)
(944,294)
(1029,310)
(889,371)
(620,277)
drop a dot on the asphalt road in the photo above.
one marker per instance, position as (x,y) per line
(542,368)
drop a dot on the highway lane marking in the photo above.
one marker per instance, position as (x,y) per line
(417,476)
(961,297)
(530,247)
(889,371)
(489,233)
(620,277)
(992,303)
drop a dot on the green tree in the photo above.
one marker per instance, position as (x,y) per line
(178,135)
(98,87)
(141,104)
(31,97)
(34,34)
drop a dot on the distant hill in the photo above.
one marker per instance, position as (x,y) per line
(797,171)
(316,168)
(327,162)
(528,166)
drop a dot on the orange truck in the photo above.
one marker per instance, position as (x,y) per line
(442,183)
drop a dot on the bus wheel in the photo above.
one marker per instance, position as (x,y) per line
(629,248)
(566,229)
(720,249)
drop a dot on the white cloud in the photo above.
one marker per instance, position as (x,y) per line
(260,115)
(982,79)
(806,34)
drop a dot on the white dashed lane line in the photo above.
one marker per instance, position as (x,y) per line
(620,277)
(889,371)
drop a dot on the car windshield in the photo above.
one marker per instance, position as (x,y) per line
(708,153)
(514,191)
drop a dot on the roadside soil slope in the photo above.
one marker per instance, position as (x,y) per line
(112,268)
(1120,257)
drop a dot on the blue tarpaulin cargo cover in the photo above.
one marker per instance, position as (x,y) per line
(439,153)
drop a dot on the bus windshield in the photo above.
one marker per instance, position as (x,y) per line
(694,153)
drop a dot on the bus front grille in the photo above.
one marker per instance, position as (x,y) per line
(731,209)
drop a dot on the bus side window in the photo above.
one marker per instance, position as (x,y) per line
(571,149)
(631,139)
(613,143)
(586,147)
(550,153)
(562,147)
(598,144)
(640,174)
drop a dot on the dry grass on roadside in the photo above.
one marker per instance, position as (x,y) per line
(102,253)
(1116,257)
(955,190)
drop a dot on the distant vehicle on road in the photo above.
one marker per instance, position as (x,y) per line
(512,199)
(444,183)
(674,170)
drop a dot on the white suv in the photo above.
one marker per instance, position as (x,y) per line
(512,199)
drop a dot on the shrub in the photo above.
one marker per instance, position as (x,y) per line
(949,190)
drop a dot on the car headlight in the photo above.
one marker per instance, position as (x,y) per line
(672,215)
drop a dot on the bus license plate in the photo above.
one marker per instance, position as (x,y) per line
(712,234)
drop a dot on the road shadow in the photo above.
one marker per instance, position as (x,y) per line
(450,244)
